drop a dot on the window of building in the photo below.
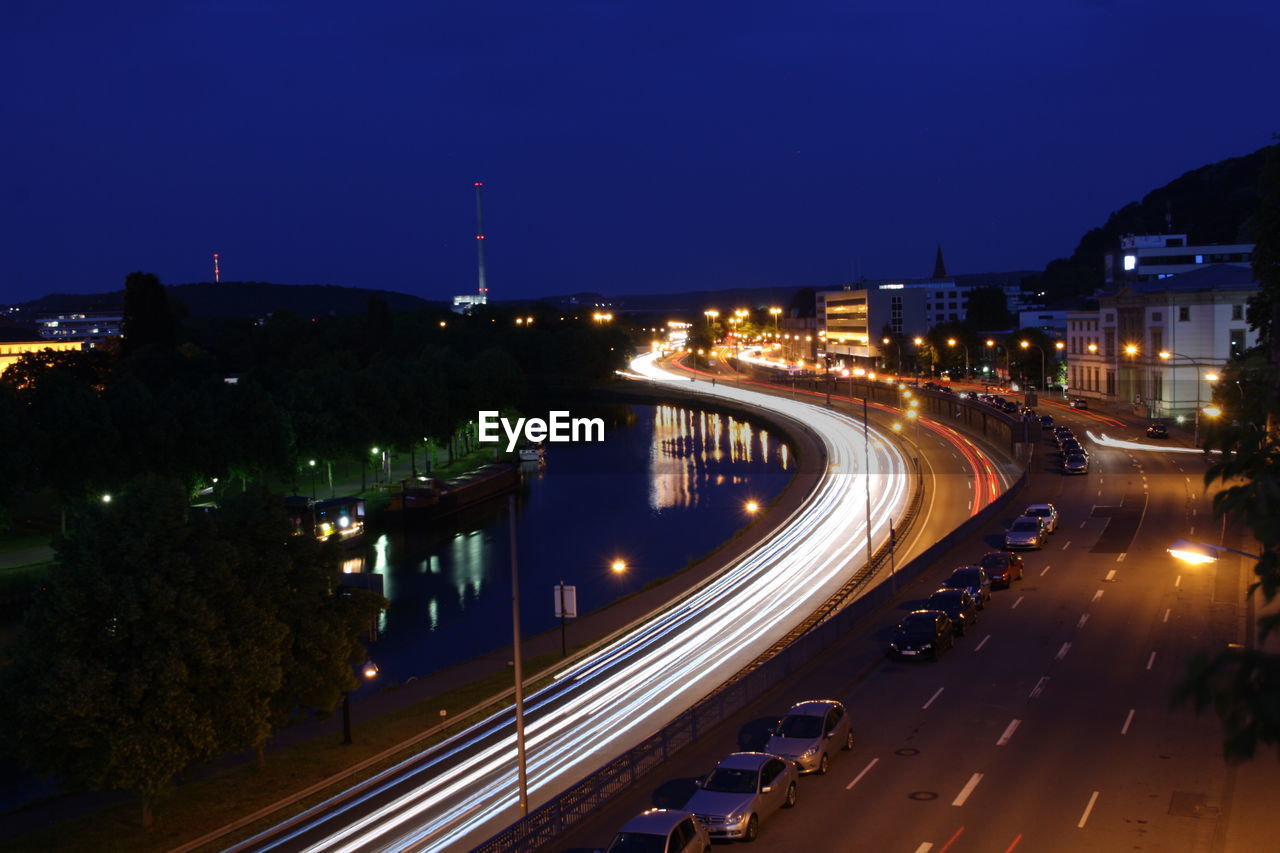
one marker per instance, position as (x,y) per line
(1157,316)
(1184,313)
(1111,318)
(1237,312)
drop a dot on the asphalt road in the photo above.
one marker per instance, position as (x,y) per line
(1048,728)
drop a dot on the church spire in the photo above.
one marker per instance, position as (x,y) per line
(939,268)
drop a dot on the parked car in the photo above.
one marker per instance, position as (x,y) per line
(1002,567)
(1047,512)
(810,732)
(1079,403)
(923,633)
(1071,446)
(974,579)
(959,606)
(662,831)
(1046,421)
(1025,532)
(1075,464)
(1157,431)
(742,790)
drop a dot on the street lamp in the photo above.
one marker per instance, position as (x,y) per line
(1025,345)
(1211,377)
(368,669)
(952,342)
(775,311)
(1198,553)
(918,341)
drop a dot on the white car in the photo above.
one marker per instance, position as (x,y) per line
(1047,513)
(1025,532)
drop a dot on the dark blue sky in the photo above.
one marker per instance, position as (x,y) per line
(625,146)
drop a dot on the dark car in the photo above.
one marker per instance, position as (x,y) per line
(1075,464)
(1002,567)
(974,579)
(1046,421)
(1080,403)
(924,633)
(959,606)
(1157,431)
(1072,446)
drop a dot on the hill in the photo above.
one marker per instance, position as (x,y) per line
(1211,204)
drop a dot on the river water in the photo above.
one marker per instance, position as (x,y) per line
(666,486)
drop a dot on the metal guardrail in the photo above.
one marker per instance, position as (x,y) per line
(820,630)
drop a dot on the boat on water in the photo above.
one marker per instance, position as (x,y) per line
(532,453)
(335,519)
(429,497)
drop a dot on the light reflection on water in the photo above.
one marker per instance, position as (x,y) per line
(666,486)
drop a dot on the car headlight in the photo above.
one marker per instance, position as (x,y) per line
(926,645)
(809,753)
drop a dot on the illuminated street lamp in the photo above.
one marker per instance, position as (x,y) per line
(1027,344)
(368,669)
(618,567)
(1199,553)
(752,507)
(1166,355)
(951,342)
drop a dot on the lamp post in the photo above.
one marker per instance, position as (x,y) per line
(918,341)
(1027,344)
(521,771)
(951,342)
(775,311)
(897,346)
(311,463)
(368,669)
(1198,553)
(1212,377)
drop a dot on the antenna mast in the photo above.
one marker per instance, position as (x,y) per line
(482,287)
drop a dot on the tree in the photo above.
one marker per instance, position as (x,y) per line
(988,310)
(148,319)
(144,654)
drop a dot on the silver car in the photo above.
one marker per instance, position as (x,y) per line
(741,790)
(1048,513)
(1025,532)
(664,830)
(810,732)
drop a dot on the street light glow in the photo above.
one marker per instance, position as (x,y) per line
(618,567)
(1131,349)
(752,507)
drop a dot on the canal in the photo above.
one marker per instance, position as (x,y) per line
(667,486)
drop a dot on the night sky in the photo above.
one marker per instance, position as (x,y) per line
(625,146)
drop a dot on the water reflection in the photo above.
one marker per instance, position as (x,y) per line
(666,486)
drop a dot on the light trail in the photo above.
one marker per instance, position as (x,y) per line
(1121,444)
(457,794)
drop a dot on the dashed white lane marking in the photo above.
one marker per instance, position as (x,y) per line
(1083,523)
(1166,615)
(1039,688)
(858,778)
(1192,531)
(967,789)
(1097,595)
(1016,603)
(1008,733)
(1151,660)
(1083,619)
(925,847)
(1111,575)
(1062,652)
(935,695)
(1066,545)
(1042,571)
(1084,817)
(1177,582)
(1124,730)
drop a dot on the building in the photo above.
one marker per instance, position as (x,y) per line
(463,303)
(1196,320)
(11,351)
(852,322)
(88,327)
(1151,257)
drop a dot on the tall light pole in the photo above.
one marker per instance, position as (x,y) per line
(521,771)
(952,342)
(1025,345)
(1166,355)
(897,346)
(918,341)
(775,311)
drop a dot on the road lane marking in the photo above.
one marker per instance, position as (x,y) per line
(1084,817)
(1042,571)
(1099,492)
(1124,730)
(1062,652)
(1192,531)
(952,840)
(925,847)
(1066,545)
(1111,575)
(858,778)
(1166,615)
(964,794)
(1009,849)
(1008,733)
(1097,595)
(1177,582)
(1083,523)
(1151,660)
(935,695)
(1193,512)
(1120,557)
(1188,479)
(978,648)
(1016,603)
(1039,688)
(1083,619)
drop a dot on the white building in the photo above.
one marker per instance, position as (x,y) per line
(1151,257)
(1196,320)
(853,322)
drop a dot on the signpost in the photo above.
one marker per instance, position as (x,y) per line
(566,608)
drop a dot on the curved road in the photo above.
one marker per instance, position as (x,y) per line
(457,794)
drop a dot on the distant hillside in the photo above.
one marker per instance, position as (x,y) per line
(1212,204)
(244,299)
